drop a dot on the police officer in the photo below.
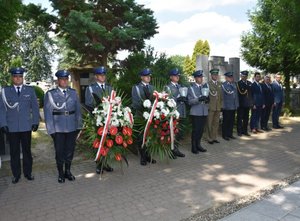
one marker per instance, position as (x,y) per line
(63,121)
(215,105)
(100,88)
(230,104)
(19,115)
(269,101)
(258,103)
(198,111)
(173,89)
(278,101)
(245,103)
(140,92)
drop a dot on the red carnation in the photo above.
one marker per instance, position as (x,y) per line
(124,144)
(130,141)
(119,139)
(176,131)
(104,151)
(118,157)
(96,143)
(100,131)
(162,138)
(129,131)
(109,143)
(162,116)
(157,122)
(113,131)
(155,126)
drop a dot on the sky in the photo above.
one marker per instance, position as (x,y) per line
(183,22)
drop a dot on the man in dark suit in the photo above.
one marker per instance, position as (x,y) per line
(258,103)
(19,116)
(278,101)
(140,92)
(245,103)
(269,101)
(99,88)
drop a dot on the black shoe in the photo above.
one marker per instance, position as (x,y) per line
(201,149)
(239,134)
(268,129)
(232,137)
(98,170)
(107,168)
(14,180)
(216,141)
(247,134)
(177,153)
(226,138)
(211,142)
(29,177)
(195,151)
(61,179)
(143,162)
(69,176)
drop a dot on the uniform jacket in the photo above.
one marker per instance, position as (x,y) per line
(96,89)
(215,96)
(278,92)
(70,103)
(257,94)
(230,97)
(268,94)
(138,95)
(197,108)
(244,93)
(25,113)
(181,107)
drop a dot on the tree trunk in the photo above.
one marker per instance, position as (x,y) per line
(104,57)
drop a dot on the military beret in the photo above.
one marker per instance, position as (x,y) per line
(214,71)
(100,70)
(62,74)
(229,74)
(244,73)
(17,70)
(198,73)
(174,72)
(145,72)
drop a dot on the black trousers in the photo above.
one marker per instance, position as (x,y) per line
(265,115)
(198,125)
(228,122)
(242,120)
(2,143)
(64,144)
(16,141)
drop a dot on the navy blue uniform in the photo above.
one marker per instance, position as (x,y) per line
(258,105)
(269,101)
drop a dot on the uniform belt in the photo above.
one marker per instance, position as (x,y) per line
(63,113)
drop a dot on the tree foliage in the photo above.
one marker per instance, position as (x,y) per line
(189,66)
(267,46)
(99,29)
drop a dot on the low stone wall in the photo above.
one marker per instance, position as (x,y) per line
(295,99)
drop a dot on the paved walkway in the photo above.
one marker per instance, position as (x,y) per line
(164,191)
(283,205)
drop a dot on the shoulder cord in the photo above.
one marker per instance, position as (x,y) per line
(246,91)
(53,104)
(226,91)
(7,104)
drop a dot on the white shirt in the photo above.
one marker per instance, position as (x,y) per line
(16,88)
(100,85)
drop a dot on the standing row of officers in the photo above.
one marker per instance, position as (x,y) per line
(19,112)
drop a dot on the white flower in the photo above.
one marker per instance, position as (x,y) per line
(171,103)
(147,103)
(115,122)
(165,111)
(160,105)
(146,115)
(99,120)
(127,109)
(156,114)
(177,114)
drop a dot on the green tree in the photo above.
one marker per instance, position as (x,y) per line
(200,48)
(10,11)
(178,60)
(266,47)
(99,29)
(188,67)
(36,50)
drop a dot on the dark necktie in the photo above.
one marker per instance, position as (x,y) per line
(65,92)
(102,87)
(18,91)
(177,86)
(147,91)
